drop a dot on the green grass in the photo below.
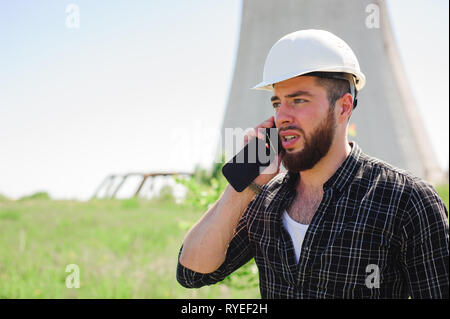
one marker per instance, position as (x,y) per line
(124,249)
(443,192)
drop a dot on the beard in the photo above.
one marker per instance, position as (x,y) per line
(316,146)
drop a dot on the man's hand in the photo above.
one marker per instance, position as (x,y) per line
(206,244)
(274,168)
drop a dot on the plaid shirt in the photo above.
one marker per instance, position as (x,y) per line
(378,232)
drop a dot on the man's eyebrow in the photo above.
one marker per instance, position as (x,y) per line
(273,98)
(298,93)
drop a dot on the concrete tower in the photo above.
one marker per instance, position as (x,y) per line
(386,124)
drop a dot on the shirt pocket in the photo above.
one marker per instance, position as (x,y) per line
(354,264)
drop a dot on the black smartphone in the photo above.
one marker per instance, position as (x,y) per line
(248,164)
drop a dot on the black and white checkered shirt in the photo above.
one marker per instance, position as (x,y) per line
(379,232)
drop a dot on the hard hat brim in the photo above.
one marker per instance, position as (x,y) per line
(360,78)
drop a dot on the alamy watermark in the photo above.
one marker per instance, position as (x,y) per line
(373,279)
(73,16)
(373,19)
(196,144)
(73,279)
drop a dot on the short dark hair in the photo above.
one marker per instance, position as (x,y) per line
(335,88)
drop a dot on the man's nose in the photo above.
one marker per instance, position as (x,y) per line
(283,116)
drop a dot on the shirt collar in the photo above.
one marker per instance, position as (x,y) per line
(342,177)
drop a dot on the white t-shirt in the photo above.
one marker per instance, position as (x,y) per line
(297,232)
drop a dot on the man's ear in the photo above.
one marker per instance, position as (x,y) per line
(345,108)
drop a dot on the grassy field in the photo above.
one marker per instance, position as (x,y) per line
(124,249)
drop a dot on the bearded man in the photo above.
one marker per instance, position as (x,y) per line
(338,223)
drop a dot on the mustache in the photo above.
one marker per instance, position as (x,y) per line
(291,128)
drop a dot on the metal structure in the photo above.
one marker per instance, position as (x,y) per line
(386,124)
(113,183)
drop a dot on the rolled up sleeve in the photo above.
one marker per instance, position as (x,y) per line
(239,252)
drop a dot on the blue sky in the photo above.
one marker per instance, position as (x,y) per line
(137,85)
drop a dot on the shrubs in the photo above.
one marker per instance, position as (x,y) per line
(166,194)
(205,186)
(36,196)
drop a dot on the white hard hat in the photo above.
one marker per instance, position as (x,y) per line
(308,51)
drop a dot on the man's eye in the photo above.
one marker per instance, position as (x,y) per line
(276,105)
(299,101)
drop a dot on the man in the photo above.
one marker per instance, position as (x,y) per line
(338,223)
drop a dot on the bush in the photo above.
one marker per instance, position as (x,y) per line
(205,186)
(37,195)
(166,194)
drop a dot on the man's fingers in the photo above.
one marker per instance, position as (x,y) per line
(248,135)
(274,167)
(254,132)
(267,123)
(258,131)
